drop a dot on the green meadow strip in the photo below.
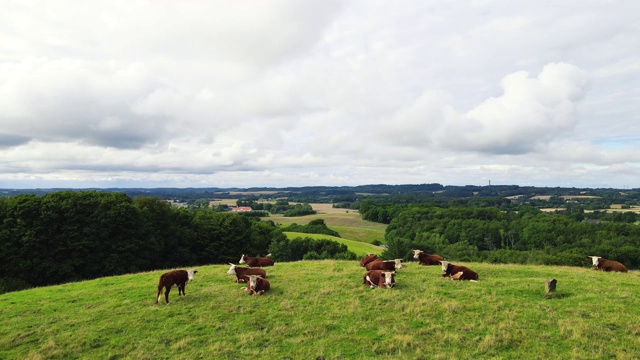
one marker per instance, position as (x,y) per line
(322,309)
(359,248)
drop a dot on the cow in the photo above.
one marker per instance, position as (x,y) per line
(600,263)
(379,264)
(242,273)
(367,259)
(380,278)
(458,272)
(257,285)
(256,261)
(426,259)
(177,278)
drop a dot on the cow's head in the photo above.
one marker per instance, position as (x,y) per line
(253,281)
(416,253)
(190,274)
(242,260)
(445,265)
(389,278)
(595,260)
(398,263)
(232,269)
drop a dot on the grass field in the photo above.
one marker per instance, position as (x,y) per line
(358,247)
(348,223)
(322,309)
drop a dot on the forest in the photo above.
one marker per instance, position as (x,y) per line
(467,232)
(78,235)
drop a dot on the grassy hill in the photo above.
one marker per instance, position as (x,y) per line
(322,309)
(358,247)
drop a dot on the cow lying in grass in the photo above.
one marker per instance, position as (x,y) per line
(600,263)
(458,272)
(177,278)
(242,273)
(380,278)
(256,261)
(367,259)
(257,285)
(426,259)
(387,265)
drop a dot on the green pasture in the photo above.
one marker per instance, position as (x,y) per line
(321,309)
(358,247)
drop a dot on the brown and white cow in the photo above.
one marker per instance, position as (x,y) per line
(367,259)
(426,259)
(177,278)
(257,285)
(242,273)
(458,272)
(379,264)
(600,263)
(256,261)
(380,278)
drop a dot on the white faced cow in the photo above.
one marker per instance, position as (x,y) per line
(242,273)
(177,278)
(426,259)
(600,263)
(458,272)
(380,278)
(257,285)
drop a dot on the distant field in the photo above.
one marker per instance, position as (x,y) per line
(358,247)
(321,309)
(347,223)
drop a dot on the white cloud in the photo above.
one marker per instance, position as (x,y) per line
(318,92)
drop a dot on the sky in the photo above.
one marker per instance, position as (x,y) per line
(159,93)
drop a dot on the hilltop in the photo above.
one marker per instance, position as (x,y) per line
(321,309)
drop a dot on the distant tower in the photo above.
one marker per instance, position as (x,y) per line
(489,182)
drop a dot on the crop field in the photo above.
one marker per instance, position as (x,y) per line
(321,309)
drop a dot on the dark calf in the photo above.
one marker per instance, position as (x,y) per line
(177,278)
(367,259)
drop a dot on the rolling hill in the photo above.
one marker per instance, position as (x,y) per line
(321,309)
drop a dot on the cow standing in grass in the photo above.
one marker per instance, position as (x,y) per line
(177,278)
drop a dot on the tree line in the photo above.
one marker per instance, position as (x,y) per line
(490,234)
(78,235)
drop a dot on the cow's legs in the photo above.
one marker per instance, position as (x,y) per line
(166,293)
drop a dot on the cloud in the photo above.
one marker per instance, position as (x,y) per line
(530,113)
(310,92)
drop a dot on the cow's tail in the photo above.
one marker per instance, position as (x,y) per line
(159,296)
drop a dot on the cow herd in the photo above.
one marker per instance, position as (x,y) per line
(380,273)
